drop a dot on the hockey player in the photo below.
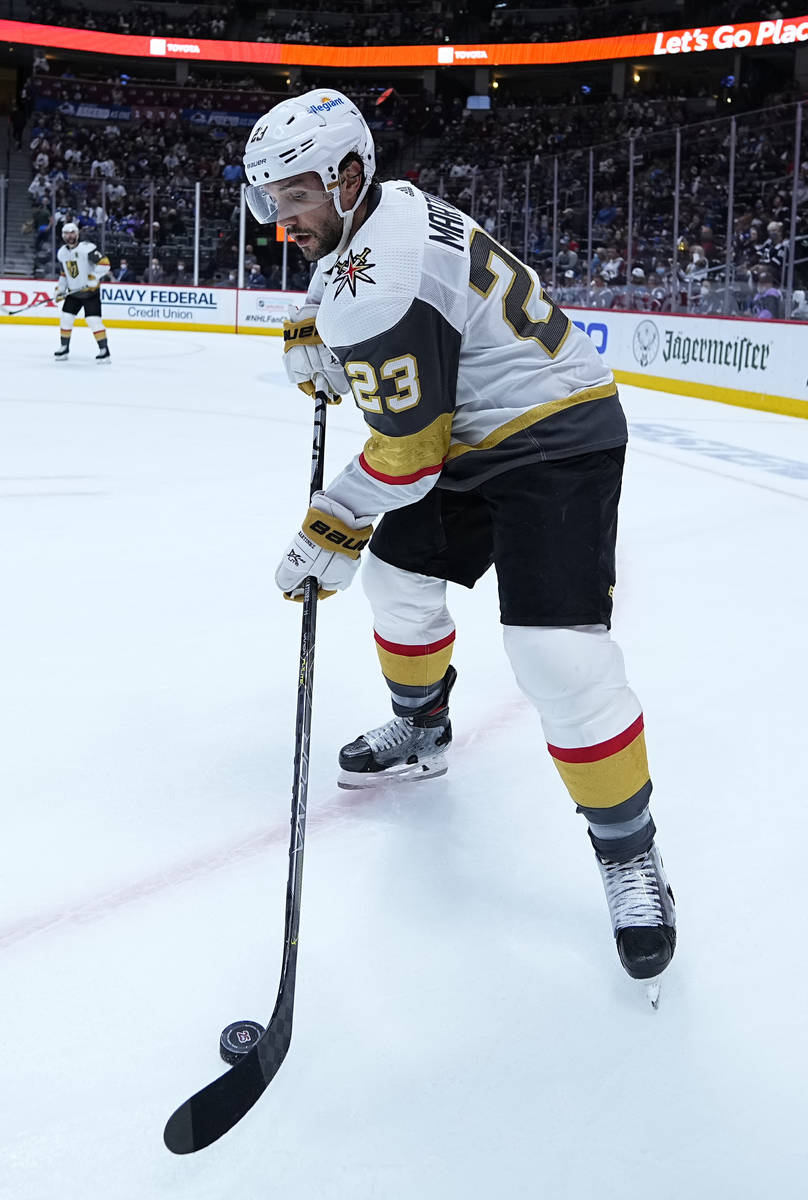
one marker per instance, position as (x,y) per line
(81,267)
(496,437)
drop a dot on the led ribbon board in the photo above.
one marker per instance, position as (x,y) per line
(778,32)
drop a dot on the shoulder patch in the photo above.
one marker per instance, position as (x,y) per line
(406,188)
(353,270)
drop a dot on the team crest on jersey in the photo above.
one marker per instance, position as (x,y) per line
(353,270)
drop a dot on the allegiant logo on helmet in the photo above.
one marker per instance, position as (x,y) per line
(326,104)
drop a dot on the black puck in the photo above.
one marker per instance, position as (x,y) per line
(237,1039)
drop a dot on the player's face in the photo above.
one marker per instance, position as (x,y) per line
(307,211)
(71,240)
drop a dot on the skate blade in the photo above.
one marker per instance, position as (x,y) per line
(428,768)
(653,991)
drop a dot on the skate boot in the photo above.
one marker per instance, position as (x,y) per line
(104,355)
(643,916)
(406,748)
(63,353)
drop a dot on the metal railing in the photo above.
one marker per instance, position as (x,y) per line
(683,206)
(682,219)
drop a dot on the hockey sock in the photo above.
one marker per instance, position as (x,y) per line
(411,706)
(100,336)
(64,336)
(622,840)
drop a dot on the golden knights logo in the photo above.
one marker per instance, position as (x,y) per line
(351,270)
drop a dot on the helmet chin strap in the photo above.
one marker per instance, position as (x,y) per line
(328,261)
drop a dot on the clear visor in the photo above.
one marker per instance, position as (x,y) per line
(270,202)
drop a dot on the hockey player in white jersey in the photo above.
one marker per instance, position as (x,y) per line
(496,438)
(81,268)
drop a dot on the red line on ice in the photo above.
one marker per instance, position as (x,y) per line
(94,908)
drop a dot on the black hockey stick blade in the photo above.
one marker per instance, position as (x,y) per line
(218,1107)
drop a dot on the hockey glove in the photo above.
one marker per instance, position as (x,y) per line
(327,546)
(60,291)
(309,364)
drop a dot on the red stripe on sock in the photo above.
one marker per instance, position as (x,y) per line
(584,754)
(413,651)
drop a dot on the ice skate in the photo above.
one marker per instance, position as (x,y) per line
(62,354)
(643,916)
(405,749)
(103,356)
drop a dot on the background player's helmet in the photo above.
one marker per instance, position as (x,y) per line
(70,233)
(312,132)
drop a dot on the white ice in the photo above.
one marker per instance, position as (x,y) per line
(463,1028)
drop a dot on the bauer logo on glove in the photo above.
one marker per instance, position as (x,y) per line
(300,333)
(327,546)
(344,541)
(309,363)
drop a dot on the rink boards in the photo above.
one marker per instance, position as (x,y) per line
(159,306)
(753,364)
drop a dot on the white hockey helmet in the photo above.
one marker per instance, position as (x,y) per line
(312,132)
(69,228)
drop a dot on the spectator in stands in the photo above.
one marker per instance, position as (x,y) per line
(156,272)
(17,123)
(256,278)
(774,250)
(767,303)
(182,277)
(124,273)
(601,296)
(41,222)
(39,188)
(612,266)
(233,172)
(638,298)
(799,309)
(659,301)
(709,301)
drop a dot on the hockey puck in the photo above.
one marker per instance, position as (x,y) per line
(238,1039)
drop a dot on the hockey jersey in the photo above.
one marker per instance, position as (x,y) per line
(81,267)
(461,365)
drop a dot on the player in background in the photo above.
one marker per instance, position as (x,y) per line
(496,437)
(81,268)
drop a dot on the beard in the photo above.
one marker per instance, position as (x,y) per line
(322,241)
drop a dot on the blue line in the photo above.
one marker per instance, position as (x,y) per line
(669,435)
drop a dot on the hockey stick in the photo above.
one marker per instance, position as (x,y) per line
(220,1105)
(13,312)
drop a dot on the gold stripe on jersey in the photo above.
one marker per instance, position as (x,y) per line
(395,458)
(532,416)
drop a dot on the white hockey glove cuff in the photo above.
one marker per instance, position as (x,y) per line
(327,546)
(309,364)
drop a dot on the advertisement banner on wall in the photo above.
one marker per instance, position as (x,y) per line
(125,305)
(757,364)
(203,309)
(265,312)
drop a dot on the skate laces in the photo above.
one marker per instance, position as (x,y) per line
(393,733)
(633,892)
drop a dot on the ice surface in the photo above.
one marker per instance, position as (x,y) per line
(463,1028)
